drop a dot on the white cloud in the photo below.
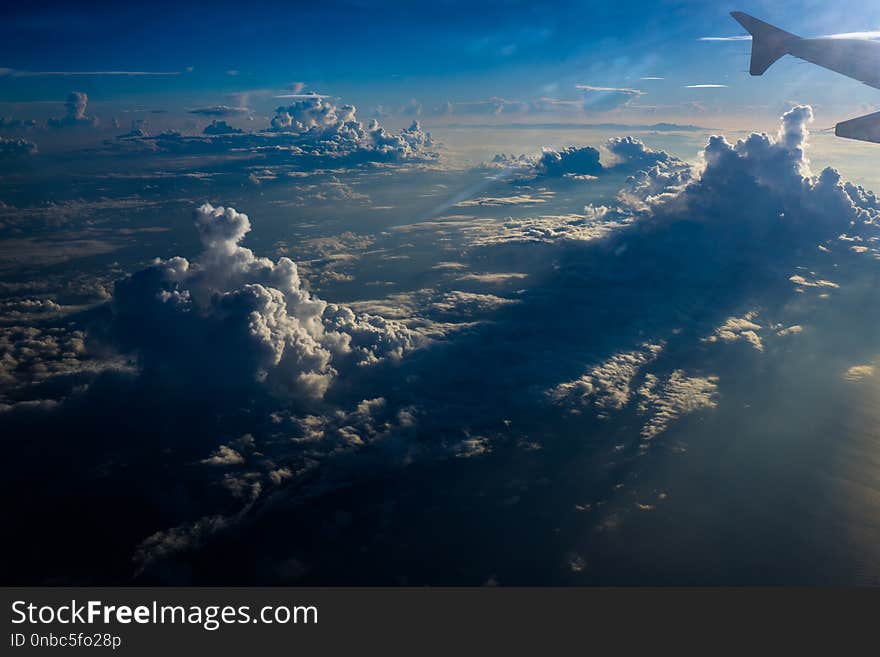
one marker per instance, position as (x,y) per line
(677,396)
(233,317)
(857,373)
(76,116)
(224,455)
(603,99)
(739,328)
(608,384)
(324,127)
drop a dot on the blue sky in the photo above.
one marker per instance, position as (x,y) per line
(402,55)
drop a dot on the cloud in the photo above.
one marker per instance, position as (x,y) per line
(14,125)
(573,160)
(140,128)
(325,128)
(16,147)
(594,224)
(677,396)
(472,446)
(492,201)
(611,386)
(744,37)
(753,206)
(224,455)
(776,174)
(240,320)
(17,73)
(44,365)
(740,328)
(867,35)
(75,105)
(633,153)
(312,131)
(857,373)
(251,475)
(603,99)
(802,282)
(617,297)
(220,128)
(219,111)
(608,384)
(629,154)
(790,330)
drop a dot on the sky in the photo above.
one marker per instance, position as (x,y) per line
(449,293)
(444,60)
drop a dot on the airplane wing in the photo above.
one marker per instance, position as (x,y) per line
(769,43)
(855,58)
(864,128)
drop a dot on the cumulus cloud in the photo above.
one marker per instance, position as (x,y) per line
(253,471)
(75,105)
(573,160)
(321,389)
(633,153)
(325,128)
(677,396)
(609,384)
(856,373)
(778,171)
(754,206)
(224,455)
(803,282)
(220,128)
(311,131)
(627,155)
(581,162)
(14,125)
(739,328)
(232,319)
(43,365)
(612,386)
(16,147)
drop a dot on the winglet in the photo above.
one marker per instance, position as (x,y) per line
(863,128)
(769,43)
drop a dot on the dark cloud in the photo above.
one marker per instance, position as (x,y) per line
(13,125)
(628,154)
(16,147)
(572,160)
(220,128)
(139,129)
